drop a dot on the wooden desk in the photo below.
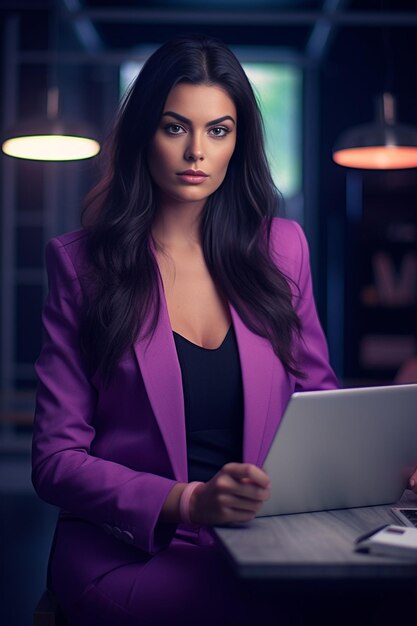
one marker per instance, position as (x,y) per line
(314,546)
(308,564)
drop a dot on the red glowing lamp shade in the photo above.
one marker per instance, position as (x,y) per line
(383,145)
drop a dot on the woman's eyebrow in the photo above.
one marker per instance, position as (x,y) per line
(185,120)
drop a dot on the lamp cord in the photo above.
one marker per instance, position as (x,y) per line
(388,51)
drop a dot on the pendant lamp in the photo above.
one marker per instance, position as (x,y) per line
(52,138)
(382,145)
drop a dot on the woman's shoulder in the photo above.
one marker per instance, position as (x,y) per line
(72,244)
(68,251)
(288,245)
(287,234)
(74,239)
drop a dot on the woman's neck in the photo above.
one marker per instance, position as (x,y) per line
(178,225)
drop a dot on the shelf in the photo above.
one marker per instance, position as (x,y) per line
(381,287)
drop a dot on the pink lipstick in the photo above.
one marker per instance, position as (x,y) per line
(194,177)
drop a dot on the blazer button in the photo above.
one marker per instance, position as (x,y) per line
(117,532)
(128,537)
(107,528)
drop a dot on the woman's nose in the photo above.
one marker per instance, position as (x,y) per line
(194,150)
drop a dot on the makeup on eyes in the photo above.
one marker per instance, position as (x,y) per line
(225,130)
(212,125)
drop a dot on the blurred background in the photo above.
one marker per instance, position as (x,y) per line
(319,69)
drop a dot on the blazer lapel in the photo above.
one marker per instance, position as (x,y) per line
(159,365)
(256,360)
(158,362)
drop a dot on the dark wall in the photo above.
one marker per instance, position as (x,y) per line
(361,64)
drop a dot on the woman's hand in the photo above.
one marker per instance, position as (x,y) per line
(412,483)
(234,494)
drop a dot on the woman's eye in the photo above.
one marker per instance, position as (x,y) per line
(219,131)
(174,129)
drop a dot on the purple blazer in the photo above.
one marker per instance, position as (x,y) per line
(108,457)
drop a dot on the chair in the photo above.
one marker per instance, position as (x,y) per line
(47,611)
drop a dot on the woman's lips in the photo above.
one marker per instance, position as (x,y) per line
(195,177)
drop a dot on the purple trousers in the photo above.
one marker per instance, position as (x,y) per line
(190,583)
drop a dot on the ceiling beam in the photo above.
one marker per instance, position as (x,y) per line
(324,30)
(108,57)
(84,29)
(254,18)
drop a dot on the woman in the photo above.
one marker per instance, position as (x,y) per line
(178,324)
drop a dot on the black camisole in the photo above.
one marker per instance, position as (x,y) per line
(213,399)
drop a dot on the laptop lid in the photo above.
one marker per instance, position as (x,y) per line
(343,448)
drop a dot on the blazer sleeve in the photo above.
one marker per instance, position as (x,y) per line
(311,351)
(65,473)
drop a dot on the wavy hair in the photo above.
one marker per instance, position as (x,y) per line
(235,225)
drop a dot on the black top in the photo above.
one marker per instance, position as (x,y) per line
(213,399)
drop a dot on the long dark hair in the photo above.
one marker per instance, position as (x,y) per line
(235,225)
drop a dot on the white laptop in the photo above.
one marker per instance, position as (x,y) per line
(343,448)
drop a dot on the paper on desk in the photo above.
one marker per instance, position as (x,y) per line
(390,540)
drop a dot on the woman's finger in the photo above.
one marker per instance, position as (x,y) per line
(412,483)
(250,491)
(247,472)
(233,501)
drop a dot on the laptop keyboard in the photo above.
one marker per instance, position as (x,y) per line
(411,515)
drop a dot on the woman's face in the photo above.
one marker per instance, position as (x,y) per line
(193,144)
